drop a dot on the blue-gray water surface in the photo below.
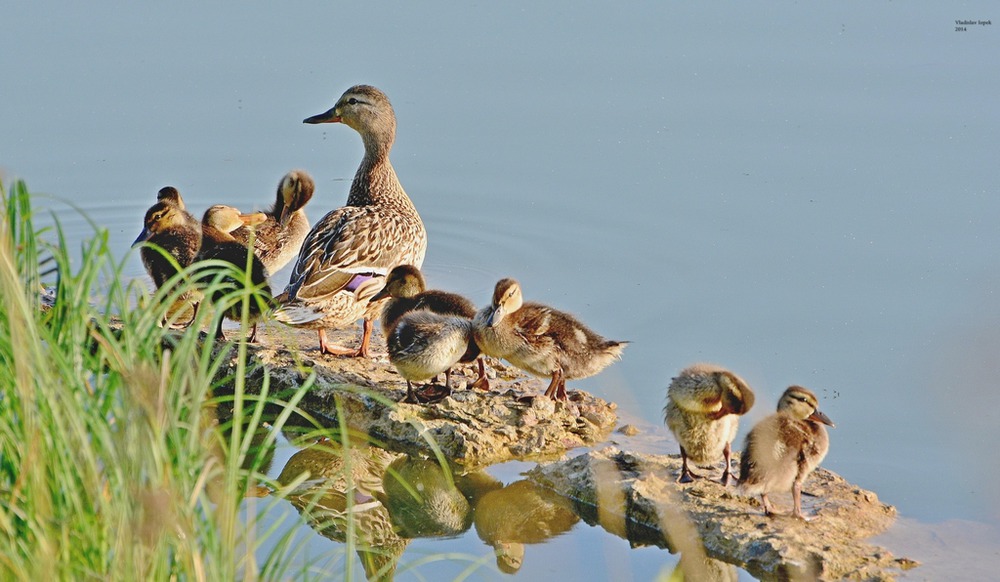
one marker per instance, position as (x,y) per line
(804,194)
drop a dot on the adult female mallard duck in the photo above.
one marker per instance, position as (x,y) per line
(541,340)
(784,448)
(277,240)
(173,231)
(218,244)
(348,253)
(407,290)
(704,404)
(423,344)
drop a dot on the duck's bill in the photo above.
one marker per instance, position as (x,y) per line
(325,117)
(141,238)
(253,219)
(495,317)
(820,417)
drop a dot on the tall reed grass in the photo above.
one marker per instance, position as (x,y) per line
(114,464)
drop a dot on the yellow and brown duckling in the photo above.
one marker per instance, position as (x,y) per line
(423,344)
(346,256)
(407,290)
(278,239)
(541,340)
(784,448)
(704,404)
(218,244)
(175,232)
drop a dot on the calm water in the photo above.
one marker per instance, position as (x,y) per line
(803,194)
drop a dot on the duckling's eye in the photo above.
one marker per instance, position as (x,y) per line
(352,101)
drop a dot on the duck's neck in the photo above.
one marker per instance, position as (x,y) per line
(376,181)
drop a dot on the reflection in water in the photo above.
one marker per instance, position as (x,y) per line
(518,514)
(338,497)
(425,499)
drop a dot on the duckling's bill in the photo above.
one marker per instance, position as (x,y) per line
(818,416)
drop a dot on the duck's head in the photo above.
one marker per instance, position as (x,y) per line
(403,281)
(507,299)
(365,109)
(170,195)
(295,190)
(159,218)
(737,397)
(801,404)
(227,219)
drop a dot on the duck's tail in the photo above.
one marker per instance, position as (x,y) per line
(296,314)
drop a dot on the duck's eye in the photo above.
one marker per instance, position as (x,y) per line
(352,101)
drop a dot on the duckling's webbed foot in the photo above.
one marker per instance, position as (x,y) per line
(482,382)
(411,396)
(431,394)
(687,476)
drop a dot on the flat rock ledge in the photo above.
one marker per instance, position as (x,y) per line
(472,428)
(637,498)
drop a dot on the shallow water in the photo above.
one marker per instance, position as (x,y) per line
(804,195)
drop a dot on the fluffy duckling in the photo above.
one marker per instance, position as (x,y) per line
(704,404)
(173,230)
(346,256)
(171,196)
(407,290)
(423,344)
(219,221)
(277,240)
(784,448)
(541,340)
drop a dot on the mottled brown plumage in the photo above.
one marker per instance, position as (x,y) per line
(407,292)
(218,244)
(704,403)
(784,448)
(541,340)
(172,230)
(278,239)
(346,256)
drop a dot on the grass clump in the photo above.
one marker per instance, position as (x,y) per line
(114,463)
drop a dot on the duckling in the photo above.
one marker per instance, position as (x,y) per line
(784,448)
(407,289)
(346,256)
(704,403)
(277,240)
(219,221)
(423,344)
(173,230)
(171,196)
(541,340)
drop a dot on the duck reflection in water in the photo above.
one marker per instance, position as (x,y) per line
(425,499)
(338,497)
(521,513)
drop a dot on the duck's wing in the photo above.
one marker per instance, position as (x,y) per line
(349,246)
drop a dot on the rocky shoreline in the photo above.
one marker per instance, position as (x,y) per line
(631,495)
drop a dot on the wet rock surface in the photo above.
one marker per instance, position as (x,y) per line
(637,497)
(472,428)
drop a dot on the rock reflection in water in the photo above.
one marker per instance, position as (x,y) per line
(518,514)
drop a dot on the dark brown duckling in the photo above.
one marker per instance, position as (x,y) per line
(408,291)
(541,340)
(704,405)
(277,240)
(173,230)
(784,448)
(218,244)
